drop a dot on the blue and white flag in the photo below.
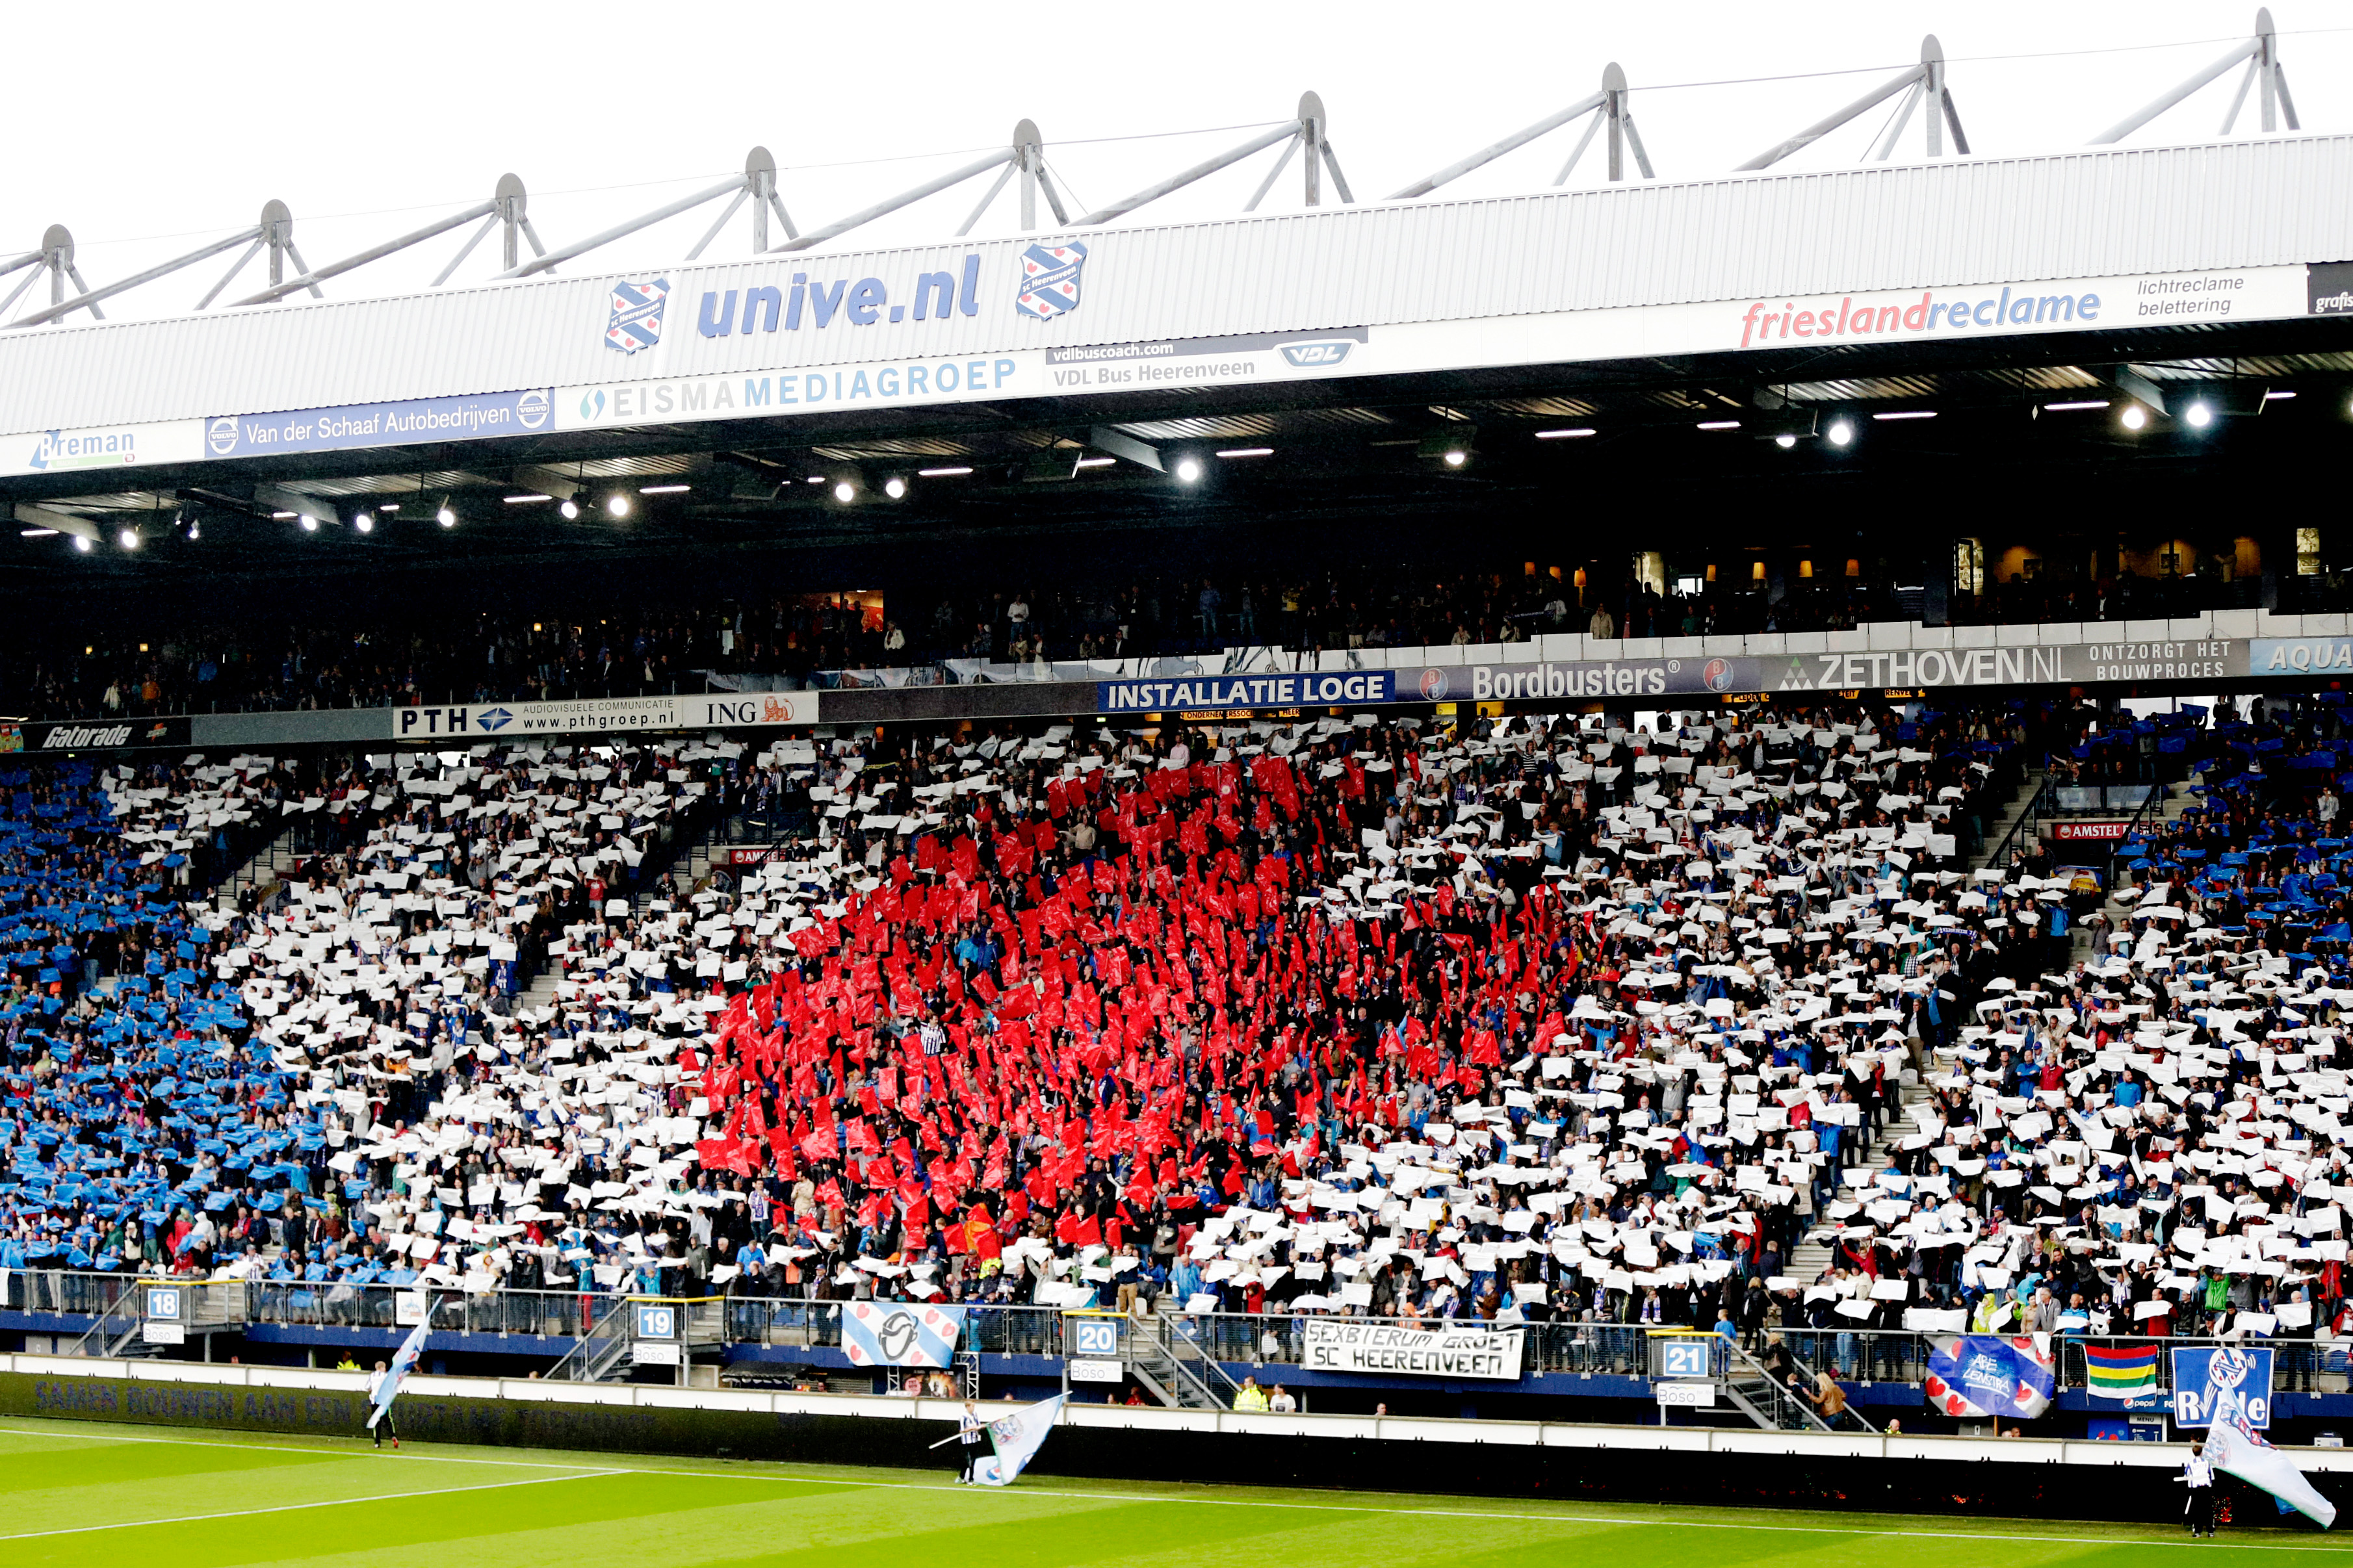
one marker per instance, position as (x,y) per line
(1015,1438)
(900,1334)
(403,1362)
(2235,1448)
(1973,1376)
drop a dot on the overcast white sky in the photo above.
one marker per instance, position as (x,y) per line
(370,121)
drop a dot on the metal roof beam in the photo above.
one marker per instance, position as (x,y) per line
(1309,127)
(489,209)
(1024,155)
(2262,54)
(1519,139)
(1927,76)
(758,178)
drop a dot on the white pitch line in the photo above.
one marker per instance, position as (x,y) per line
(1488,1516)
(296,1507)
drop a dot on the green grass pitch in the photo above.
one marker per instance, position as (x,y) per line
(162,1498)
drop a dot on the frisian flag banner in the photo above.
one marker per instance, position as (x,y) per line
(403,1362)
(2120,1372)
(1974,1375)
(900,1334)
(1014,1439)
(2238,1450)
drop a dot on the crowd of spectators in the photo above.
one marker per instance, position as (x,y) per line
(1548,1020)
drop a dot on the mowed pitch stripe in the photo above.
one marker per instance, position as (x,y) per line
(1482,1515)
(323,1502)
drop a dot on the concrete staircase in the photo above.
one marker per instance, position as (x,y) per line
(1810,1257)
(1998,829)
(260,871)
(2177,800)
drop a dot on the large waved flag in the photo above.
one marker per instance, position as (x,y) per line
(2236,1448)
(1015,1438)
(1971,1375)
(2120,1372)
(403,1362)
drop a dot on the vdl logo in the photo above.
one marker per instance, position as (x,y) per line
(1321,352)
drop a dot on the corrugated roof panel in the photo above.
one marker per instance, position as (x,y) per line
(2102,212)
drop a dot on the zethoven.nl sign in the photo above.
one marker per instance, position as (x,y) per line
(598,715)
(1346,1345)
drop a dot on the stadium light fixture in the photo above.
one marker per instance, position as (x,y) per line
(941,473)
(309,524)
(1093,463)
(1784,440)
(895,487)
(446,515)
(663,490)
(1569,435)
(2199,416)
(81,542)
(568,509)
(2134,417)
(1719,424)
(1246,452)
(1456,457)
(2079,406)
(127,539)
(617,504)
(1907,413)
(1189,470)
(845,492)
(1842,432)
(364,523)
(526,499)
(2276,396)
(37,533)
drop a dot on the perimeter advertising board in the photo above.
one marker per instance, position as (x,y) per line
(596,715)
(2064,664)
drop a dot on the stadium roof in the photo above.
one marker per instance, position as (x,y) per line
(1352,338)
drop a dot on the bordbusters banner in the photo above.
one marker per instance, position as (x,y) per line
(2064,664)
(1348,1345)
(597,716)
